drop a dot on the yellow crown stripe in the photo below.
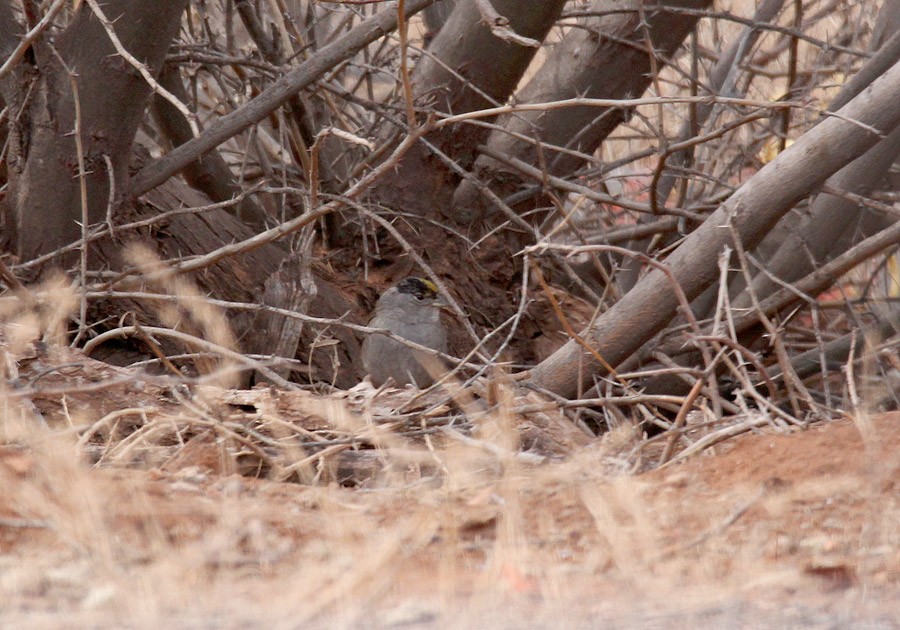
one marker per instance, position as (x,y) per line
(431,286)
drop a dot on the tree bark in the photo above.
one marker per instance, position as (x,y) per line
(831,224)
(751,212)
(10,30)
(436,16)
(236,279)
(874,67)
(112,95)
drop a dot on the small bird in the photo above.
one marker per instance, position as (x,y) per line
(411,310)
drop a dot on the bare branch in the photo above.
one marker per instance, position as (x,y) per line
(273,97)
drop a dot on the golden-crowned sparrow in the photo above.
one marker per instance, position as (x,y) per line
(411,310)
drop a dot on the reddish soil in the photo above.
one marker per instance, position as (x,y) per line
(770,530)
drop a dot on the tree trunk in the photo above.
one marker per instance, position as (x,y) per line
(606,58)
(45,188)
(470,67)
(832,224)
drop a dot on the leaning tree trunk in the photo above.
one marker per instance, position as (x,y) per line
(750,213)
(239,279)
(834,223)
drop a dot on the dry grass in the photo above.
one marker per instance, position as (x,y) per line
(793,528)
(141,519)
